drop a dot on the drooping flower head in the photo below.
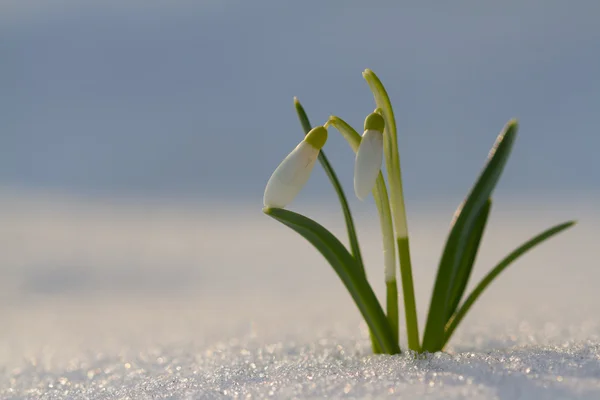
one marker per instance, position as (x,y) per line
(369,156)
(293,172)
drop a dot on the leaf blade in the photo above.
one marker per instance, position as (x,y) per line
(499,268)
(468,260)
(457,239)
(345,266)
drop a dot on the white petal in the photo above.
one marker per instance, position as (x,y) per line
(368,163)
(290,176)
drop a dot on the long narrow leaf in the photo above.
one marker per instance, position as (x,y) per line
(466,266)
(502,265)
(458,237)
(352,237)
(345,266)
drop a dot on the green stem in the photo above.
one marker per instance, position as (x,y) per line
(389,253)
(392,162)
(410,306)
(392,307)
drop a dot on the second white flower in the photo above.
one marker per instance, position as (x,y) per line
(369,156)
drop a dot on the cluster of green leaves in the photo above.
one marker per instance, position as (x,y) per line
(447,307)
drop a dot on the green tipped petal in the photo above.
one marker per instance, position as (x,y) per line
(317,137)
(290,176)
(368,163)
(375,121)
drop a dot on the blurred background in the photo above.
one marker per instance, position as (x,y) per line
(136,138)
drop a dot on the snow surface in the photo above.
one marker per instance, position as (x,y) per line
(130,301)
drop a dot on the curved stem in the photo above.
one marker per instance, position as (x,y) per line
(392,162)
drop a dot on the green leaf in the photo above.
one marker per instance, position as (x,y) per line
(468,260)
(458,238)
(347,269)
(352,237)
(502,265)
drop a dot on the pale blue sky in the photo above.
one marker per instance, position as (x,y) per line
(182,99)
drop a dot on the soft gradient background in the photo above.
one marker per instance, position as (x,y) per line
(184,99)
(136,137)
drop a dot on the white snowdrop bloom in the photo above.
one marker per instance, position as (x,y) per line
(293,172)
(369,156)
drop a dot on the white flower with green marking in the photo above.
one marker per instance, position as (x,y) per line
(369,156)
(293,172)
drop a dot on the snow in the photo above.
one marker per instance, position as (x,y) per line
(128,301)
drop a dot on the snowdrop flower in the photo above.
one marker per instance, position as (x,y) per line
(293,172)
(369,156)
